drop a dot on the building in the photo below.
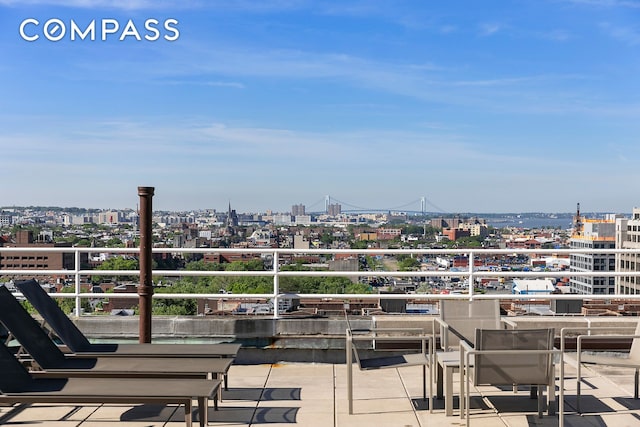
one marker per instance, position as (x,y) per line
(334,209)
(34,260)
(593,234)
(388,233)
(5,220)
(536,286)
(454,234)
(628,237)
(300,241)
(298,210)
(302,219)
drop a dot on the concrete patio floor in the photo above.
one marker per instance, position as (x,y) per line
(315,395)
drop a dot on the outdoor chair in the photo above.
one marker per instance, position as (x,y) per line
(510,358)
(422,358)
(50,359)
(18,386)
(458,321)
(632,360)
(78,343)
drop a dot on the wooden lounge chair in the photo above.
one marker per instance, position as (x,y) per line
(54,362)
(18,386)
(78,343)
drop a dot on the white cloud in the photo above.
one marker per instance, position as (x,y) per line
(488,29)
(628,35)
(106,4)
(608,3)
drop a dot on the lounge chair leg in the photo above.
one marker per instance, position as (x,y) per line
(635,383)
(188,407)
(202,411)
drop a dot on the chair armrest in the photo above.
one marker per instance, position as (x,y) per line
(509,322)
(563,331)
(398,330)
(443,332)
(600,336)
(423,338)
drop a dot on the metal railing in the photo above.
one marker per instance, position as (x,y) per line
(470,274)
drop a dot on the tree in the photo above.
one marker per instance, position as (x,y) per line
(114,242)
(117,263)
(408,264)
(326,238)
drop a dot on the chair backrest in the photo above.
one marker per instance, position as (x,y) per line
(463,318)
(634,353)
(15,377)
(51,312)
(28,332)
(509,369)
(349,335)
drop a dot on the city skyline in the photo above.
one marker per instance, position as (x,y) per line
(496,106)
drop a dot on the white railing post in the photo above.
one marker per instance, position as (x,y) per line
(471,278)
(78,300)
(276,284)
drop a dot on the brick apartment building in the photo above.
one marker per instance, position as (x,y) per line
(34,260)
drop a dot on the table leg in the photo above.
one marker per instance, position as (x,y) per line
(439,381)
(448,390)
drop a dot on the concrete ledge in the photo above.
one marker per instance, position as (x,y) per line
(268,340)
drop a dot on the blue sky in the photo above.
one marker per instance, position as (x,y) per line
(478,106)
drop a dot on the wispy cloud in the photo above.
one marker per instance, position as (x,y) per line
(488,29)
(628,35)
(447,84)
(222,84)
(608,3)
(107,4)
(557,35)
(262,6)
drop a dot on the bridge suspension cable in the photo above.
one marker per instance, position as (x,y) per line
(419,203)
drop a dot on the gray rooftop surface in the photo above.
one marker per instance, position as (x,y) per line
(313,395)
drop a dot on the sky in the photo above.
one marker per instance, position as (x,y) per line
(473,106)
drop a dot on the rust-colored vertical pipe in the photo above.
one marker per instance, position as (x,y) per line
(145,290)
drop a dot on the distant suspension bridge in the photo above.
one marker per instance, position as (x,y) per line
(414,207)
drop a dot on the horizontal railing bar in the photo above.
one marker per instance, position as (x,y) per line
(471,273)
(340,297)
(504,251)
(327,273)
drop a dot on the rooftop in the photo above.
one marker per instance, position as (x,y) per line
(311,395)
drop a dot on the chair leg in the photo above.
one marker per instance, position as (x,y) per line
(349,375)
(424,382)
(635,383)
(448,390)
(540,401)
(439,381)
